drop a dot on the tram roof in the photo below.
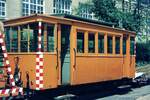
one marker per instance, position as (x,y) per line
(64,17)
(84,19)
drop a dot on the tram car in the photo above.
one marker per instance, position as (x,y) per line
(53,51)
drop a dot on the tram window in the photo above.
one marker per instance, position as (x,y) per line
(117,45)
(33,39)
(109,44)
(14,39)
(91,42)
(24,39)
(7,38)
(42,42)
(132,40)
(80,42)
(101,43)
(50,38)
(124,45)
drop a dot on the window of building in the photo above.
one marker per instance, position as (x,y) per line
(109,44)
(132,41)
(101,43)
(91,42)
(50,38)
(2,8)
(117,46)
(80,42)
(84,11)
(62,6)
(32,7)
(124,45)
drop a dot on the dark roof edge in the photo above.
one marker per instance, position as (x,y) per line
(84,19)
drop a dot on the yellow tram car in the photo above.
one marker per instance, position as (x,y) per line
(75,51)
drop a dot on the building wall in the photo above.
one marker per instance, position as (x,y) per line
(48,6)
(13,8)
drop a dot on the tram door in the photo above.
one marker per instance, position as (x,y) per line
(65,54)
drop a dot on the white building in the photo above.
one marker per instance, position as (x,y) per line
(16,8)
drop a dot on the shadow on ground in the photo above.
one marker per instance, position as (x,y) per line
(85,92)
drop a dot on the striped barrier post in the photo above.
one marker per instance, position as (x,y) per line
(39,60)
(12,90)
(9,71)
(2,42)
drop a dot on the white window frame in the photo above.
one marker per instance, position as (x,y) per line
(85,13)
(3,1)
(33,4)
(62,6)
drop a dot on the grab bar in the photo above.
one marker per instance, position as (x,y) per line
(74,57)
(57,58)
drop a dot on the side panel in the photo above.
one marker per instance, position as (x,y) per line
(96,69)
(132,67)
(27,63)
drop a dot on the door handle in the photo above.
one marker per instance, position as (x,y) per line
(74,57)
(130,60)
(57,58)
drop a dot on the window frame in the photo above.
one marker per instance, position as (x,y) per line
(46,37)
(28,29)
(124,47)
(132,45)
(60,7)
(94,50)
(83,40)
(109,35)
(117,53)
(85,12)
(12,38)
(28,11)
(101,34)
(3,9)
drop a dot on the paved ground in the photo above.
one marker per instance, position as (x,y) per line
(100,93)
(142,93)
(146,97)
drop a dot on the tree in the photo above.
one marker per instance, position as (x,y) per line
(83,9)
(131,19)
(105,10)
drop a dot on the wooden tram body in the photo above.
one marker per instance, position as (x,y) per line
(74,51)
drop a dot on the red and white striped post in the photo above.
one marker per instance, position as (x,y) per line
(39,60)
(14,89)
(2,42)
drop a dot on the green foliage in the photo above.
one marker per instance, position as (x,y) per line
(83,8)
(106,10)
(143,52)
